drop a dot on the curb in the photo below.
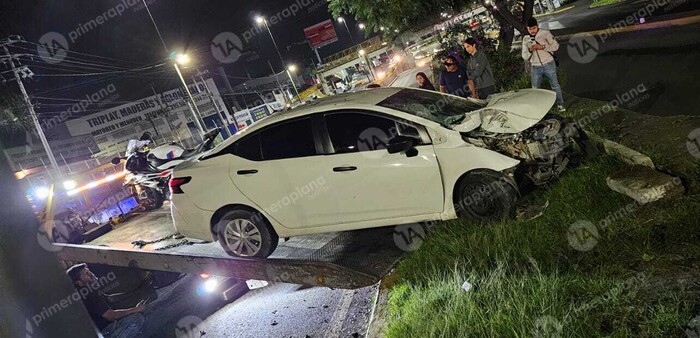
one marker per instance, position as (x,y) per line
(555,12)
(632,28)
(619,2)
(624,153)
(377,320)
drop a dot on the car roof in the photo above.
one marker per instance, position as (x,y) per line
(360,98)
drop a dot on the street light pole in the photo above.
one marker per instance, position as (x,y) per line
(341,19)
(193,105)
(290,69)
(264,22)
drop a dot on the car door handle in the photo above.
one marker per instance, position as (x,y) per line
(247,172)
(341,169)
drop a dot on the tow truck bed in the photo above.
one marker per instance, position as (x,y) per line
(345,260)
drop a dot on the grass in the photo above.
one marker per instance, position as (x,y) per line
(601,3)
(529,280)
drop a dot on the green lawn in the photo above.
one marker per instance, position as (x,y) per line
(529,281)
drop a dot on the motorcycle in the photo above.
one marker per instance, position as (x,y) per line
(150,169)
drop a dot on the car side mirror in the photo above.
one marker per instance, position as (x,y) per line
(400,143)
(116,160)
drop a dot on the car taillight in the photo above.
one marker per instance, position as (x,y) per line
(176,183)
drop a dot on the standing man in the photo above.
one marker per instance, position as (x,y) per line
(112,323)
(453,80)
(481,81)
(538,49)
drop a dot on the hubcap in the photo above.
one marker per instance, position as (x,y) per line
(243,237)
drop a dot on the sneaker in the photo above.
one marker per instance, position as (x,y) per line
(561,109)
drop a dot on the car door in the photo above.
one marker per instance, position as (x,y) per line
(280,169)
(367,182)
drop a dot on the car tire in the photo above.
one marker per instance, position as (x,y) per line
(260,239)
(486,195)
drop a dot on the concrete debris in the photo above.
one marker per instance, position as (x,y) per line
(645,185)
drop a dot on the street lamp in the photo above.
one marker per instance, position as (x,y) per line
(342,20)
(363,59)
(291,69)
(262,21)
(183,59)
(361,25)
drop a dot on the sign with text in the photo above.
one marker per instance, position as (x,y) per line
(173,102)
(321,34)
(31,155)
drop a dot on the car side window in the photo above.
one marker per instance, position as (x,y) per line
(288,140)
(248,147)
(354,132)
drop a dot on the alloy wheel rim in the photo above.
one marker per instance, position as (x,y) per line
(243,237)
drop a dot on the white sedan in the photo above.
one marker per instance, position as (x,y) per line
(373,158)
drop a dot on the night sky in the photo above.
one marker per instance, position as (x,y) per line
(129,41)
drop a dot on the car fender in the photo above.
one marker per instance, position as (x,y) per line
(455,161)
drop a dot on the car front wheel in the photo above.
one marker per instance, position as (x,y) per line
(486,195)
(246,234)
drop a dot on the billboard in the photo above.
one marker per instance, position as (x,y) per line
(32,155)
(172,102)
(321,34)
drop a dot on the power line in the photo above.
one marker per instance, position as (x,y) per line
(86,54)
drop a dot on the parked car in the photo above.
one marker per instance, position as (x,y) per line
(373,158)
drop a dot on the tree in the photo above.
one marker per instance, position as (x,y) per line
(13,114)
(411,14)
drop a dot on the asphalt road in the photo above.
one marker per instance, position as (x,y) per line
(277,310)
(663,61)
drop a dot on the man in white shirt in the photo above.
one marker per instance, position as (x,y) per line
(537,49)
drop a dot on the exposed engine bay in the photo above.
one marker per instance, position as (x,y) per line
(545,148)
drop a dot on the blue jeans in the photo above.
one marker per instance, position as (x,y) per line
(127,327)
(548,70)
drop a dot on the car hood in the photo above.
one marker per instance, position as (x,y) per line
(509,113)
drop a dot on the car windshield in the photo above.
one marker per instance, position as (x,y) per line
(434,106)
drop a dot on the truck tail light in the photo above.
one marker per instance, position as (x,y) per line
(176,183)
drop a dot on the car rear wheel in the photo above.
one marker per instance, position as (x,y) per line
(486,195)
(243,233)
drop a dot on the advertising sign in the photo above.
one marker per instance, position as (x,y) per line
(31,155)
(173,102)
(321,34)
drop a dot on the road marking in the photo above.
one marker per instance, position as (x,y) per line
(339,315)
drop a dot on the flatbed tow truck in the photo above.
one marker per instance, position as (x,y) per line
(345,260)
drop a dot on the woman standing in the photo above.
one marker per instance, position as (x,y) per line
(423,82)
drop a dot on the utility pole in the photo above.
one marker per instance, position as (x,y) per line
(30,107)
(222,114)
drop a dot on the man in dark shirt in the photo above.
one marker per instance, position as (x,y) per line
(112,323)
(453,79)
